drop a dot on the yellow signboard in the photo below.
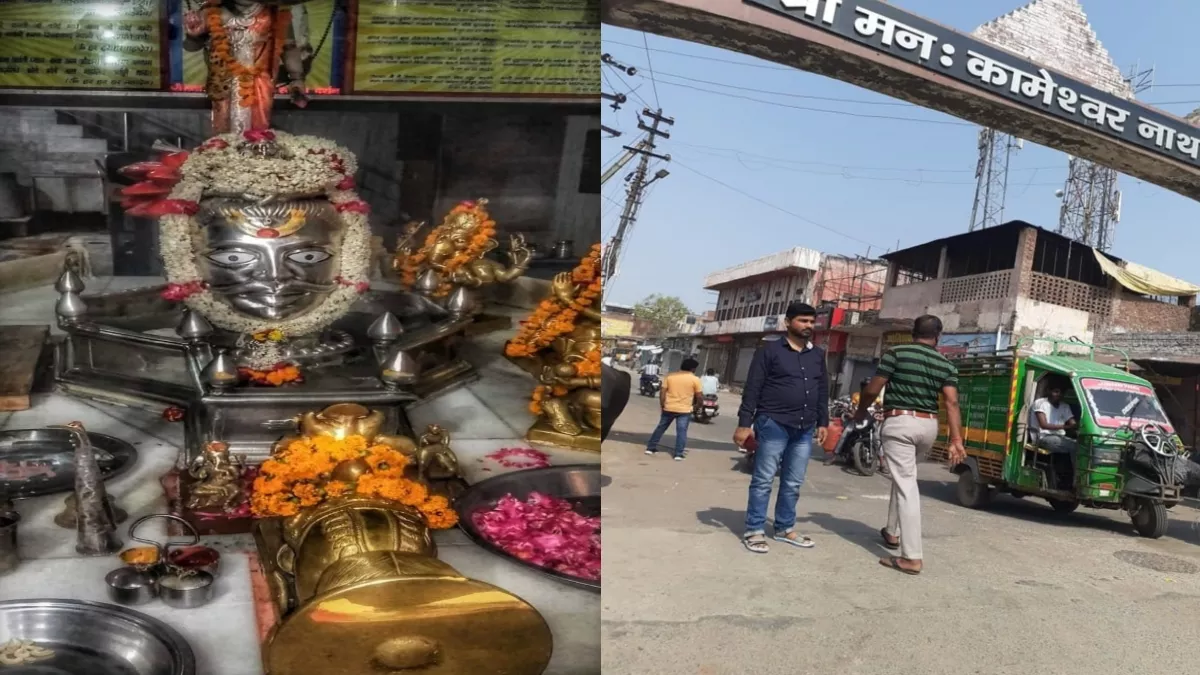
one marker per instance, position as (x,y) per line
(897,338)
(615,327)
(67,44)
(313,25)
(486,47)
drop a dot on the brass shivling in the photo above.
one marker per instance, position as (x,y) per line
(358,586)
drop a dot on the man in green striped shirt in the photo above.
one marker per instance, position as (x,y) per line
(915,375)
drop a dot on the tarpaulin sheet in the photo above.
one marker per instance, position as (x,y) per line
(1144,280)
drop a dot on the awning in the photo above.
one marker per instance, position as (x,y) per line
(1144,280)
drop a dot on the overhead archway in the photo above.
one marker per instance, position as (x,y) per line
(883,48)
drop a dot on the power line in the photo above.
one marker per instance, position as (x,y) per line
(793,214)
(820,110)
(780,160)
(629,87)
(650,67)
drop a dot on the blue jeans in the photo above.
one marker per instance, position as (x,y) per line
(786,450)
(682,420)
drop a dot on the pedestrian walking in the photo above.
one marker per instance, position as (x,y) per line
(915,375)
(681,392)
(785,407)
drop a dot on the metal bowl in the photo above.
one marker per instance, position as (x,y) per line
(576,483)
(37,462)
(94,638)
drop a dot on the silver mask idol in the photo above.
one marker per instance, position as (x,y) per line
(273,262)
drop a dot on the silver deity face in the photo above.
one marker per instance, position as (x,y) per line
(270,262)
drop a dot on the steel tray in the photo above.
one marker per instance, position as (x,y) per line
(37,462)
(94,638)
(576,483)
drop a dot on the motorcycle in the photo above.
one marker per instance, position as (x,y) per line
(706,410)
(650,385)
(860,444)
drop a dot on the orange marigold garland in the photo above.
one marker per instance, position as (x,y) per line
(480,243)
(551,318)
(299,476)
(222,61)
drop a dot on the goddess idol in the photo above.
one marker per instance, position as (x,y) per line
(245,43)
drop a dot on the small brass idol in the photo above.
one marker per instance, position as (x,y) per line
(454,253)
(360,589)
(218,476)
(565,362)
(434,462)
(343,420)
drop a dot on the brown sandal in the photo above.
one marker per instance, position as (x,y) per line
(887,540)
(894,563)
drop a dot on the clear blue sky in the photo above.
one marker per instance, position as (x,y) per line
(878,182)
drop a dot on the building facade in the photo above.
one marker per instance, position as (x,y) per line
(1018,280)
(752,299)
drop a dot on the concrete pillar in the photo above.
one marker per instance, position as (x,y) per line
(1021,281)
(893,272)
(943,263)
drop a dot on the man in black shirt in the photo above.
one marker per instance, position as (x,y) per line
(785,404)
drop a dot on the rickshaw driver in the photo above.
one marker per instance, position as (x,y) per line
(1049,420)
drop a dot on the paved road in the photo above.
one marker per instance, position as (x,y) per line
(1014,589)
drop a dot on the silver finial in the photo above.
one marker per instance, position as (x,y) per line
(222,371)
(427,282)
(70,306)
(69,282)
(193,326)
(386,328)
(399,369)
(461,302)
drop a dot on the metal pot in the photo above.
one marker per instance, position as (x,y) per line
(564,249)
(131,585)
(185,589)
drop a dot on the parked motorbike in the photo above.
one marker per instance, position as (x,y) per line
(650,386)
(706,410)
(860,444)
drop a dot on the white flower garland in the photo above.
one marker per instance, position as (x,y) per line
(223,170)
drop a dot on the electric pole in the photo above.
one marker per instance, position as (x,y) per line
(637,185)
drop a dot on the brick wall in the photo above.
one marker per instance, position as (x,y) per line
(1056,34)
(1138,315)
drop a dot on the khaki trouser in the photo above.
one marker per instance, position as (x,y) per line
(904,439)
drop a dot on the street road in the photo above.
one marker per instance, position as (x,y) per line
(1013,589)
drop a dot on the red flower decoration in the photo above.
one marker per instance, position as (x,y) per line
(164,207)
(362,286)
(356,206)
(468,204)
(181,292)
(173,414)
(527,458)
(214,144)
(346,183)
(259,135)
(267,233)
(145,189)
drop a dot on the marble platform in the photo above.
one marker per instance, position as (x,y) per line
(482,417)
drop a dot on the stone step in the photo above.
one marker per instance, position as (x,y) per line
(20,133)
(60,144)
(44,114)
(70,195)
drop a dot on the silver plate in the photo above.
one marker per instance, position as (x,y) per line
(36,462)
(94,638)
(576,483)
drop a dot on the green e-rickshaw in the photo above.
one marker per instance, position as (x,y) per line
(1127,455)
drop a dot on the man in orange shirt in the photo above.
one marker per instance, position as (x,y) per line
(681,391)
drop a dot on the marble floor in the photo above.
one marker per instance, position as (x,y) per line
(482,417)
